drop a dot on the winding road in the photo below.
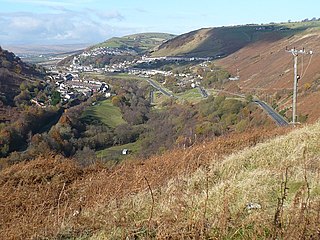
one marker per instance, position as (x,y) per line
(156,86)
(203,92)
(280,121)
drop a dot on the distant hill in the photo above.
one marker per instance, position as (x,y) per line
(44,49)
(127,48)
(222,41)
(13,72)
(266,69)
(257,53)
(140,42)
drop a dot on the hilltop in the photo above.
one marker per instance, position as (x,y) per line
(118,49)
(222,41)
(140,42)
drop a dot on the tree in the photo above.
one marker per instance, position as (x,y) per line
(55,98)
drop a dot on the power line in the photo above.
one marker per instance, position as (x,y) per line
(295,53)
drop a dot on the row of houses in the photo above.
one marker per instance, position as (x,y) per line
(107,51)
(173,59)
(70,84)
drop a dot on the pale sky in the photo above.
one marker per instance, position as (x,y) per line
(92,21)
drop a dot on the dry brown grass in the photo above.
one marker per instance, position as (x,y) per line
(51,197)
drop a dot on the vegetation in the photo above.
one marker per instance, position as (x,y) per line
(17,135)
(198,169)
(13,72)
(93,202)
(192,96)
(115,152)
(104,112)
(135,44)
(269,191)
(139,42)
(222,41)
(184,124)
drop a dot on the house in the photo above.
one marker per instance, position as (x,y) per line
(104,88)
(234,78)
(125,151)
(68,77)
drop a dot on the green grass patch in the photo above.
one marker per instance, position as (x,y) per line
(115,152)
(212,91)
(192,95)
(106,76)
(104,112)
(159,99)
(139,42)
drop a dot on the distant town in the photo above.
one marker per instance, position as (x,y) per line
(69,83)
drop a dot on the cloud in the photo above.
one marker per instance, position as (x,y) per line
(106,15)
(141,10)
(60,26)
(51,3)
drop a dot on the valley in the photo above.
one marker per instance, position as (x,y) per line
(162,136)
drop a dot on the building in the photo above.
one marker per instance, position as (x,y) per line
(125,151)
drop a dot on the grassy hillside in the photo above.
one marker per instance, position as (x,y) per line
(266,70)
(104,112)
(139,42)
(196,191)
(222,41)
(268,191)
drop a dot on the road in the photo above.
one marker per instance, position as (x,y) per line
(156,86)
(272,113)
(203,92)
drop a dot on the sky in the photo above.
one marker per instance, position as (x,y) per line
(44,22)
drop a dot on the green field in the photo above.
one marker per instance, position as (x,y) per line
(104,112)
(139,42)
(115,153)
(106,76)
(192,95)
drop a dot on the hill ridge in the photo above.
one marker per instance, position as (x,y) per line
(140,42)
(222,41)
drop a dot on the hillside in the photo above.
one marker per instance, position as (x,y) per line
(222,41)
(13,72)
(221,189)
(266,70)
(118,49)
(141,42)
(53,197)
(257,53)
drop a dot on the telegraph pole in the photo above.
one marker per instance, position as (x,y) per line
(296,77)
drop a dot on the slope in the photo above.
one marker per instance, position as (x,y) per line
(268,191)
(257,53)
(266,70)
(222,41)
(118,49)
(141,42)
(13,72)
(52,197)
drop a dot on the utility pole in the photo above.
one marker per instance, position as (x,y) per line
(296,77)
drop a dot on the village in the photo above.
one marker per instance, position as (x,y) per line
(70,84)
(70,81)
